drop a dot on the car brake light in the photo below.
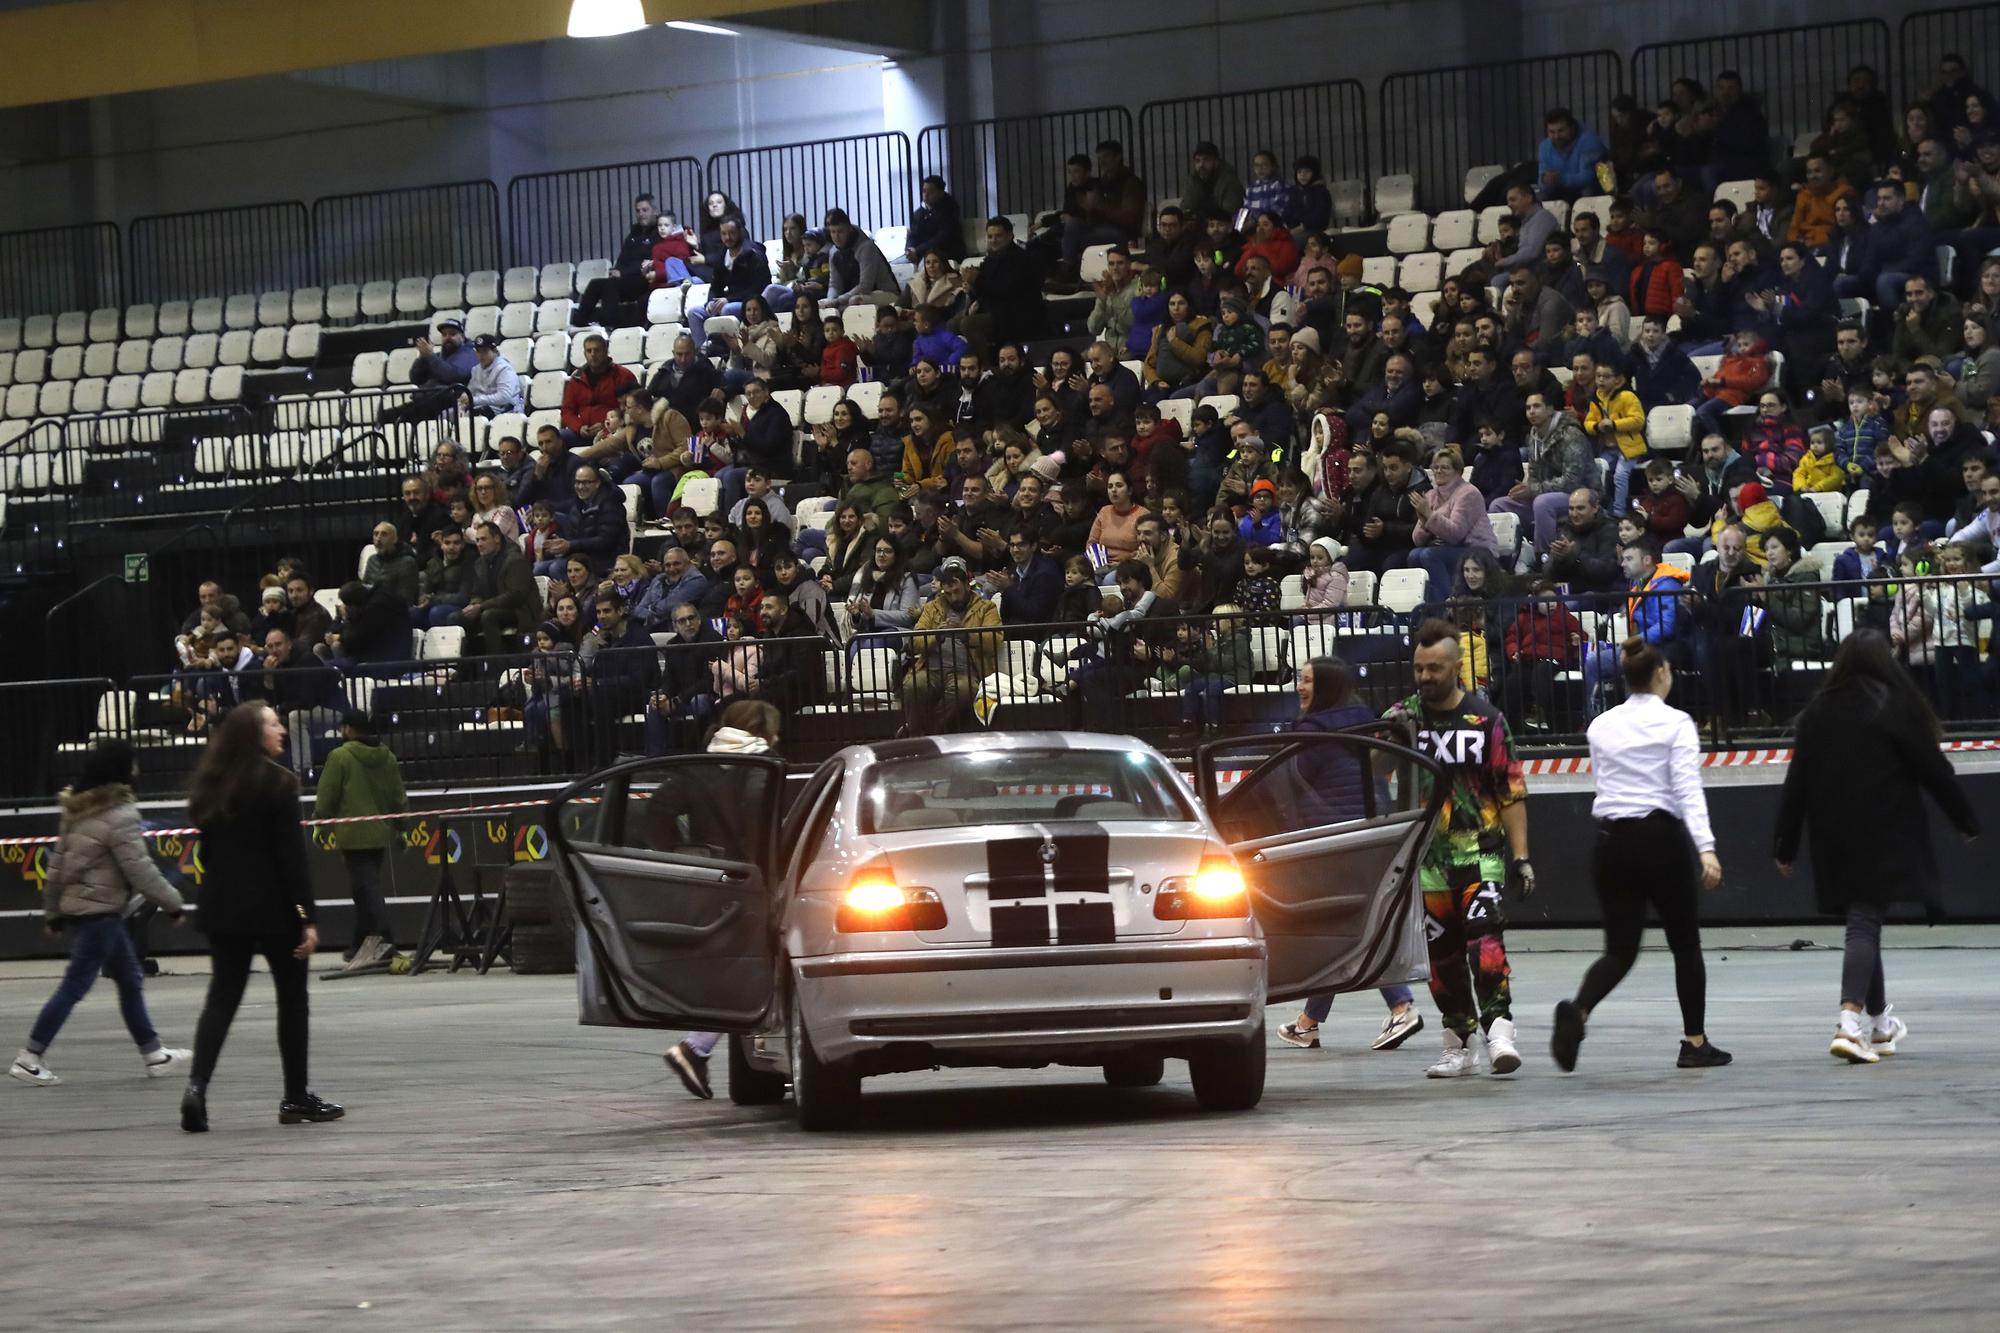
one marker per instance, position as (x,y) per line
(875,903)
(1215,890)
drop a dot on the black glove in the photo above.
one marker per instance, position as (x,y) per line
(1521,878)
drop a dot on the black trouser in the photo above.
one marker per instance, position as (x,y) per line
(1640,861)
(364,881)
(426,403)
(622,290)
(1861,964)
(230,956)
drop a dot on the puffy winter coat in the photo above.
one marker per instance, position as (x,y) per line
(101,860)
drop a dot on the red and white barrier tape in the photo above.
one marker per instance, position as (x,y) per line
(46,839)
(1731,758)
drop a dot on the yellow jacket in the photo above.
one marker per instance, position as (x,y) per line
(981,614)
(1818,474)
(1627,417)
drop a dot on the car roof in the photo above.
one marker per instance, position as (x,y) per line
(924,747)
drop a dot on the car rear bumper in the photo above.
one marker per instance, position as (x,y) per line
(1018,1002)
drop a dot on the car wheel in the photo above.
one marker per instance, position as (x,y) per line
(1229,1075)
(542,919)
(749,1085)
(1135,1070)
(827,1094)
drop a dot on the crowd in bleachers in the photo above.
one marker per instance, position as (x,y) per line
(1671,370)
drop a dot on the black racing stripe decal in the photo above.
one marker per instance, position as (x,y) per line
(912,747)
(1086,923)
(1014,869)
(1020,926)
(1083,860)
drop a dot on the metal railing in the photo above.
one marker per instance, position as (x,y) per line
(51,269)
(219,251)
(582,213)
(869,175)
(1327,120)
(1437,124)
(36,718)
(1794,73)
(1926,37)
(1014,164)
(387,234)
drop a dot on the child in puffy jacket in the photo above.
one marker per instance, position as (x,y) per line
(1325,577)
(1745,370)
(1820,469)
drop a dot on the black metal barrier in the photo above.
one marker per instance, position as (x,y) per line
(1014,164)
(1437,124)
(553,216)
(868,175)
(429,229)
(1327,120)
(220,251)
(48,270)
(1928,36)
(1794,73)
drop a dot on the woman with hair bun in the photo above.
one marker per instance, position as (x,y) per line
(1653,846)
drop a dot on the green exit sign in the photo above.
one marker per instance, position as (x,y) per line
(138,569)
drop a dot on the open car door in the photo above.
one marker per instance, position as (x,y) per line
(1329,829)
(669,864)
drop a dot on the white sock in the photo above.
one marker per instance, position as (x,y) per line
(1850,1022)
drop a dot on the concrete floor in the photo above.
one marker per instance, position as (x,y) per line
(503,1168)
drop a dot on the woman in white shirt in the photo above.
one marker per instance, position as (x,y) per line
(1653,845)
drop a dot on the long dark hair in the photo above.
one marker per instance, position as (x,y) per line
(1867,664)
(1333,683)
(234,771)
(109,763)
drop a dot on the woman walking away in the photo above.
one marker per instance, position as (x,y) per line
(101,862)
(748,726)
(1653,844)
(1869,718)
(1327,703)
(362,777)
(255,899)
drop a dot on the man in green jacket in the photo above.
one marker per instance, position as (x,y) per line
(866,491)
(361,778)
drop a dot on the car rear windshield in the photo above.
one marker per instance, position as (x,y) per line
(1018,786)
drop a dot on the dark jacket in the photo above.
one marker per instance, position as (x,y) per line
(254,876)
(1009,292)
(738,279)
(937,228)
(768,442)
(1592,566)
(1903,244)
(598,528)
(446,582)
(378,630)
(685,392)
(302,682)
(686,672)
(1032,599)
(1880,854)
(1671,380)
(635,249)
(415,529)
(1334,775)
(505,581)
(397,571)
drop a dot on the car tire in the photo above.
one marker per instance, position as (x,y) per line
(1229,1075)
(749,1085)
(1135,1070)
(542,920)
(826,1094)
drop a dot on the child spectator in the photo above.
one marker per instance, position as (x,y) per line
(1496,464)
(894,347)
(840,362)
(1860,433)
(1216,664)
(1263,525)
(746,598)
(1745,370)
(934,342)
(1258,591)
(1820,469)
(1160,453)
(1906,523)
(1079,599)
(1865,563)
(1664,507)
(736,668)
(1325,577)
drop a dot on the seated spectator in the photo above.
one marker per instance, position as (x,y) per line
(620,666)
(1927,323)
(892,349)
(500,588)
(593,389)
(1308,205)
(670,262)
(946,663)
(1213,187)
(1381,523)
(222,606)
(935,225)
(445,584)
(716,209)
(1169,251)
(1005,290)
(858,272)
(516,466)
(1752,513)
(1451,523)
(1496,465)
(741,272)
(1661,374)
(1110,316)
(374,626)
(440,374)
(1536,224)
(934,343)
(419,517)
(681,385)
(1617,423)
(1568,157)
(1584,554)
(604,299)
(1655,607)
(1812,203)
(494,386)
(884,595)
(1662,505)
(678,582)
(1270,242)
(1178,356)
(685,694)
(392,564)
(1744,372)
(1899,244)
(1113,211)
(935,285)
(840,360)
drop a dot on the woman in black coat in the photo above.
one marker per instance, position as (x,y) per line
(1868,724)
(255,899)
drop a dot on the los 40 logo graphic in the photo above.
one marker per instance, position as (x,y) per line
(34,861)
(529,842)
(442,847)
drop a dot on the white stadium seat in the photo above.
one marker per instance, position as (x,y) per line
(1489,224)
(225,384)
(72,328)
(54,399)
(1460,260)
(368,370)
(234,348)
(551,352)
(1478,178)
(545,390)
(664,306)
(274,309)
(173,319)
(660,340)
(65,363)
(519,352)
(10,335)
(309,305)
(100,360)
(240,311)
(628,346)
(1379,270)
(1409,233)
(413,296)
(31,365)
(552,315)
(447,291)
(1670,428)
(141,321)
(378,300)
(191,388)
(1421,273)
(205,315)
(199,352)
(302,344)
(104,324)
(557,281)
(398,369)
(589,271)
(38,331)
(1395,194)
(167,353)
(1454,230)
(343,303)
(481,321)
(519,284)
(267,348)
(134,356)
(22,401)
(89,396)
(122,394)
(517,320)
(157,389)
(482,288)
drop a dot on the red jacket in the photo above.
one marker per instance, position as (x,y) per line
(1666,512)
(587,399)
(1656,285)
(1281,251)
(1545,630)
(840,363)
(1743,375)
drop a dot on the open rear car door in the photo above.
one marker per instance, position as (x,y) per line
(669,864)
(1328,829)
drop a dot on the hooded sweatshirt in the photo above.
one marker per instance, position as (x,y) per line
(735,740)
(101,859)
(361,777)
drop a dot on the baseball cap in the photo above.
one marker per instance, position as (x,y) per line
(486,342)
(444,324)
(953,567)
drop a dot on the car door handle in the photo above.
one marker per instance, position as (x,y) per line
(677,932)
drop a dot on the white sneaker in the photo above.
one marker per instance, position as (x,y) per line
(1500,1046)
(1397,1029)
(168,1060)
(1459,1059)
(1851,1041)
(30,1069)
(1885,1030)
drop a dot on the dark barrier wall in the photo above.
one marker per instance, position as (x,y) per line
(1327,120)
(868,175)
(219,251)
(1972,31)
(557,216)
(1437,124)
(1015,164)
(53,269)
(1795,73)
(478,848)
(388,234)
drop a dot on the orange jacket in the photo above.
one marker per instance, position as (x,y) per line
(1743,375)
(1812,212)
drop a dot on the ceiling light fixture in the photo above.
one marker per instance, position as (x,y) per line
(605,18)
(714,29)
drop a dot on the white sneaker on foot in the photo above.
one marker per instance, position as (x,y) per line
(1500,1048)
(1459,1059)
(168,1061)
(29,1068)
(1397,1029)
(1885,1030)
(1851,1040)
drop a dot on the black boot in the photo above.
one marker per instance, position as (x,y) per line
(194,1109)
(308,1108)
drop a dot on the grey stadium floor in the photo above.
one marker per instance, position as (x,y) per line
(503,1168)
